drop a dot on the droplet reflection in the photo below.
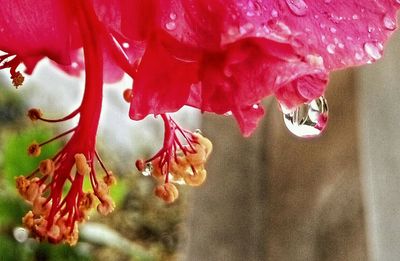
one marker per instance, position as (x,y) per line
(309,119)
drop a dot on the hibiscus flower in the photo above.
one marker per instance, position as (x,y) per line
(217,56)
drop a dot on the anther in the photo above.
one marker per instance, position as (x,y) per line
(35,114)
(128,95)
(81,164)
(17,79)
(167,192)
(46,167)
(34,150)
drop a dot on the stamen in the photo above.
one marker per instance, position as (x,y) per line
(17,79)
(34,149)
(128,95)
(57,137)
(47,167)
(34,114)
(167,192)
(82,167)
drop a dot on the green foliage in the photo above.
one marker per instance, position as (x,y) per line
(16,160)
(12,209)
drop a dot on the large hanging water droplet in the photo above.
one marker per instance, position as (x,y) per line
(298,7)
(309,119)
(147,169)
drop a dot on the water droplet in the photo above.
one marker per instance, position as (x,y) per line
(228,113)
(20,234)
(74,65)
(274,13)
(170,25)
(371,28)
(308,120)
(172,16)
(298,7)
(372,50)
(148,169)
(125,45)
(331,48)
(246,28)
(389,23)
(332,29)
(355,17)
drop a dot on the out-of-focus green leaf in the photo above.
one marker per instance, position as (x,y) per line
(11,250)
(50,252)
(16,160)
(12,209)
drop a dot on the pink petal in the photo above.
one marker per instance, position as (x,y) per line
(342,32)
(35,28)
(162,84)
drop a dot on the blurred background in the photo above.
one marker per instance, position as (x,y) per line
(269,197)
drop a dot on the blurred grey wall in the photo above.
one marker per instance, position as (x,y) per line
(378,86)
(278,197)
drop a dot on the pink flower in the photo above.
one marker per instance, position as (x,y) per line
(218,56)
(226,56)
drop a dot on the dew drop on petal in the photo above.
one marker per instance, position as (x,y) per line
(389,23)
(147,169)
(372,50)
(228,113)
(298,7)
(20,234)
(172,16)
(308,120)
(331,48)
(170,26)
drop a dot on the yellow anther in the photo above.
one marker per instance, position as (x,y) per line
(198,178)
(86,202)
(199,157)
(38,207)
(47,167)
(128,95)
(32,192)
(22,184)
(28,220)
(106,206)
(179,167)
(54,234)
(156,172)
(34,114)
(17,79)
(206,143)
(167,192)
(82,167)
(34,149)
(71,237)
(110,179)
